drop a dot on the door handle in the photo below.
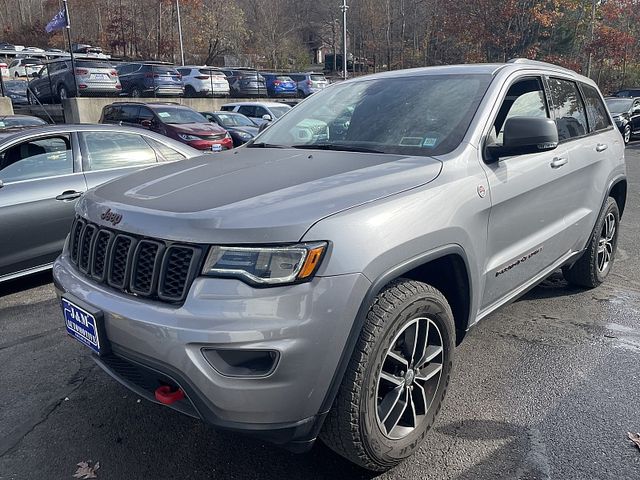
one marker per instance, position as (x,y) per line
(69,195)
(558,162)
(601,147)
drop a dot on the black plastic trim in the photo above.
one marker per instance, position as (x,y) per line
(295,436)
(156,267)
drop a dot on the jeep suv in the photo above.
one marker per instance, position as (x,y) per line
(314,283)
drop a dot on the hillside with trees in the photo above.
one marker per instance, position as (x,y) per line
(595,37)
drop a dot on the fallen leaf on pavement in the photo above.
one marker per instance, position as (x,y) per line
(635,438)
(86,471)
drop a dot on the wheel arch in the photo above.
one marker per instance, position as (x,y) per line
(442,268)
(618,191)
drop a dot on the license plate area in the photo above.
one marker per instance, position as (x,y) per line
(85,324)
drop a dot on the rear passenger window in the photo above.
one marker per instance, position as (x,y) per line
(106,150)
(569,112)
(596,111)
(168,153)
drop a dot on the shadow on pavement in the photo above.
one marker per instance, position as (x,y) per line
(25,283)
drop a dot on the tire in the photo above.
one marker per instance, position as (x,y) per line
(300,94)
(31,98)
(136,93)
(189,91)
(627,134)
(594,265)
(360,425)
(62,93)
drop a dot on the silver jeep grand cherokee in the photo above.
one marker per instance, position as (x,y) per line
(314,283)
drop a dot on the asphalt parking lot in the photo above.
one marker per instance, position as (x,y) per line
(546,388)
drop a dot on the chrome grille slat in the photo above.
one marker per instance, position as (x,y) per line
(156,269)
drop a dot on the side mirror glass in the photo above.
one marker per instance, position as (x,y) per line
(523,135)
(266,117)
(263,127)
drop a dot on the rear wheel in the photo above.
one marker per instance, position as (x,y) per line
(300,94)
(396,379)
(189,91)
(135,92)
(595,263)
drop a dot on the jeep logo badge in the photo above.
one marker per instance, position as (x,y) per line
(111,217)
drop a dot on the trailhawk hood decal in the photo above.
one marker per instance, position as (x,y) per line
(251,195)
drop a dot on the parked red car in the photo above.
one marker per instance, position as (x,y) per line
(176,121)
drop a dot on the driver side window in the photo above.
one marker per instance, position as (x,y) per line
(525,98)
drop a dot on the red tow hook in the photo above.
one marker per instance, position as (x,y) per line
(168,395)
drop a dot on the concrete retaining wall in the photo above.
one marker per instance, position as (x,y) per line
(88,110)
(6,108)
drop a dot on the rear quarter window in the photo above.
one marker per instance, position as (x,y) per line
(596,111)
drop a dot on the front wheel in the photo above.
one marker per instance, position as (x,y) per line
(31,100)
(594,265)
(62,93)
(396,379)
(627,134)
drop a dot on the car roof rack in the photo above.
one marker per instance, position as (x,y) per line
(526,61)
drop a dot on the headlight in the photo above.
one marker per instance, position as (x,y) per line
(266,266)
(188,138)
(245,135)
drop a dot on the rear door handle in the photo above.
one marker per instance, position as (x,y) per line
(558,162)
(69,195)
(601,147)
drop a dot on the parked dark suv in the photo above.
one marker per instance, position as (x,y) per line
(245,82)
(626,114)
(54,82)
(175,121)
(628,92)
(150,80)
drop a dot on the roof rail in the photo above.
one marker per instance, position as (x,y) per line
(526,61)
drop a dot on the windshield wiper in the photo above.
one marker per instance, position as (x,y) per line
(336,147)
(265,145)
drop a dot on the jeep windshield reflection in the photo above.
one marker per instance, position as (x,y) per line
(415,115)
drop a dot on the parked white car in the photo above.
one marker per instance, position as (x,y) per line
(203,81)
(25,67)
(258,112)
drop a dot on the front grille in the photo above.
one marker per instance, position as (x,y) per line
(132,264)
(218,136)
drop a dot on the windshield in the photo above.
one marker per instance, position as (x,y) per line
(421,115)
(619,105)
(20,121)
(279,110)
(176,115)
(234,120)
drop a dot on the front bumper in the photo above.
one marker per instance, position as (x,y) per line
(202,144)
(307,324)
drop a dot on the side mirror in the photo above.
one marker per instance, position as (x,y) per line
(523,135)
(263,127)
(1,184)
(267,117)
(146,123)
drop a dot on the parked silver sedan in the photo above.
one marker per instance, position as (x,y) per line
(44,170)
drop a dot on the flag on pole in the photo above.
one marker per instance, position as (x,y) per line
(57,23)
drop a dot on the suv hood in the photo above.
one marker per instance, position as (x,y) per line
(250,195)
